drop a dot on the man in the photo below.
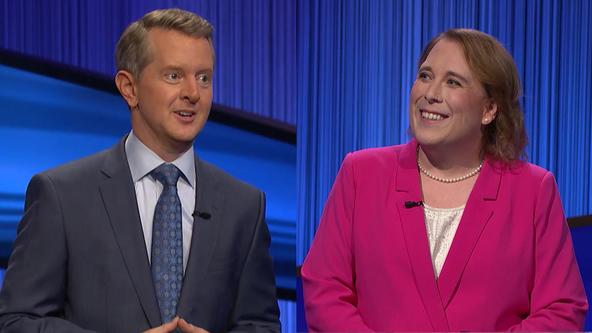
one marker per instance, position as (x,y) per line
(145,236)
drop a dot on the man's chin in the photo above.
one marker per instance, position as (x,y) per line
(186,136)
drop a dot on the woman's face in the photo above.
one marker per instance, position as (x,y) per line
(448,105)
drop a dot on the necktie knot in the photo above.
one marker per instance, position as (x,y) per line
(166,174)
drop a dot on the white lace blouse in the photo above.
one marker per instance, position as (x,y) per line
(441,225)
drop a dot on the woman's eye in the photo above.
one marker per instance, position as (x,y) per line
(423,75)
(454,83)
(203,79)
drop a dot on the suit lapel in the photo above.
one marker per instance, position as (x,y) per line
(414,231)
(478,211)
(204,236)
(119,198)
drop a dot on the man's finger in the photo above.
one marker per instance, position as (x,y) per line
(189,328)
(166,327)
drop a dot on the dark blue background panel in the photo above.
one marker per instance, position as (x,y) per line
(582,238)
(45,122)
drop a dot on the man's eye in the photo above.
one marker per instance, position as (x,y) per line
(174,76)
(203,79)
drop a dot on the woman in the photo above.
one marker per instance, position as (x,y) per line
(451,231)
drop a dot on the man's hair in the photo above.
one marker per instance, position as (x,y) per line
(133,53)
(504,138)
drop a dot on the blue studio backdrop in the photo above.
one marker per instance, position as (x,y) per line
(44,122)
(357,60)
(254,40)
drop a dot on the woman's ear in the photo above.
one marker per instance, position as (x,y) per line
(489,113)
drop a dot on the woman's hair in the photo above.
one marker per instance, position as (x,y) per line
(504,138)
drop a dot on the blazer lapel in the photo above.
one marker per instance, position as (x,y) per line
(119,198)
(205,233)
(414,231)
(478,211)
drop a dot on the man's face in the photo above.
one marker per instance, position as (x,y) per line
(173,92)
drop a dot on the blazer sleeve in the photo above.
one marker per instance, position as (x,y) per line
(256,308)
(328,272)
(558,300)
(34,290)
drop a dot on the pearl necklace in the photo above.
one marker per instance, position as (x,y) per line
(450,180)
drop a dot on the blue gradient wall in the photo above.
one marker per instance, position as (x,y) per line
(255,42)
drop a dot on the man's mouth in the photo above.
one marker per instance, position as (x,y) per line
(185,114)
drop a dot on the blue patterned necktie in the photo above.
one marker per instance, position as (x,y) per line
(167,242)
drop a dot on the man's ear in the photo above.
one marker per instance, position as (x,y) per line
(126,84)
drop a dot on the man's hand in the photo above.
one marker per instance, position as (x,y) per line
(166,327)
(186,327)
(179,323)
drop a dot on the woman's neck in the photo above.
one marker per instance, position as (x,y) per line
(448,163)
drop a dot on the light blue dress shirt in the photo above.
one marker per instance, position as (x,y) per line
(142,161)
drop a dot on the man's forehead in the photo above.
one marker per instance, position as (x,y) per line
(158,32)
(173,38)
(173,49)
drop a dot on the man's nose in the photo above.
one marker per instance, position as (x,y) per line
(190,91)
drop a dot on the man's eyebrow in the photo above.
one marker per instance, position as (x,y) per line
(171,67)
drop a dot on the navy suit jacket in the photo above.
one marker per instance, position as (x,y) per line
(79,262)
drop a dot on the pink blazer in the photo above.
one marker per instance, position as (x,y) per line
(511,265)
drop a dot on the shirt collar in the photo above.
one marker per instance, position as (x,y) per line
(142,160)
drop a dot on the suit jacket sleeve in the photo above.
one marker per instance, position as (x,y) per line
(34,290)
(328,273)
(558,301)
(256,308)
